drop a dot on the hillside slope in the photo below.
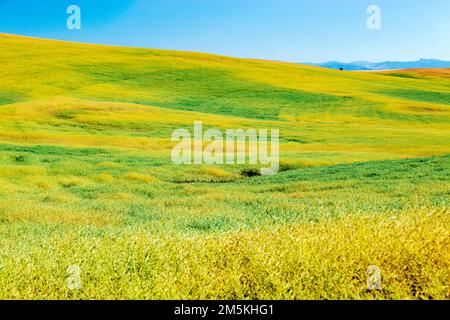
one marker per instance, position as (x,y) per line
(87,183)
(73,95)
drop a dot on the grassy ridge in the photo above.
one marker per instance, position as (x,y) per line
(86,177)
(84,95)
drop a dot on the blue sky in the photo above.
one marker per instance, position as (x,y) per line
(288,30)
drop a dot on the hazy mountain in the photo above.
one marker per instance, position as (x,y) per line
(387,65)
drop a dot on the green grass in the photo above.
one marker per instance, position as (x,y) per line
(420,95)
(86,178)
(9,97)
(212,91)
(308,233)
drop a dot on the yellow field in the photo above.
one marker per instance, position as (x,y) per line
(86,178)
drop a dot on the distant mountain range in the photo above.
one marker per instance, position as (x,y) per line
(387,65)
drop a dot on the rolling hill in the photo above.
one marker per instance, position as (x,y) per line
(73,94)
(86,177)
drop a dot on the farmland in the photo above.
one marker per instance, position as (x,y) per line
(86,178)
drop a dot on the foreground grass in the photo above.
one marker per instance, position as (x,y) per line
(326,260)
(303,234)
(86,178)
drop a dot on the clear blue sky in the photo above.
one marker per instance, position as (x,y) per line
(288,30)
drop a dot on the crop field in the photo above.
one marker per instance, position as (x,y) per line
(87,180)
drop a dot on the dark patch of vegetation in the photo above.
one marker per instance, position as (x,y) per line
(250,172)
(20,158)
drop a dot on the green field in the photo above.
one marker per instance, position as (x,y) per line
(86,178)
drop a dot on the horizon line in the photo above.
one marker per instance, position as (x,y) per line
(304,63)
